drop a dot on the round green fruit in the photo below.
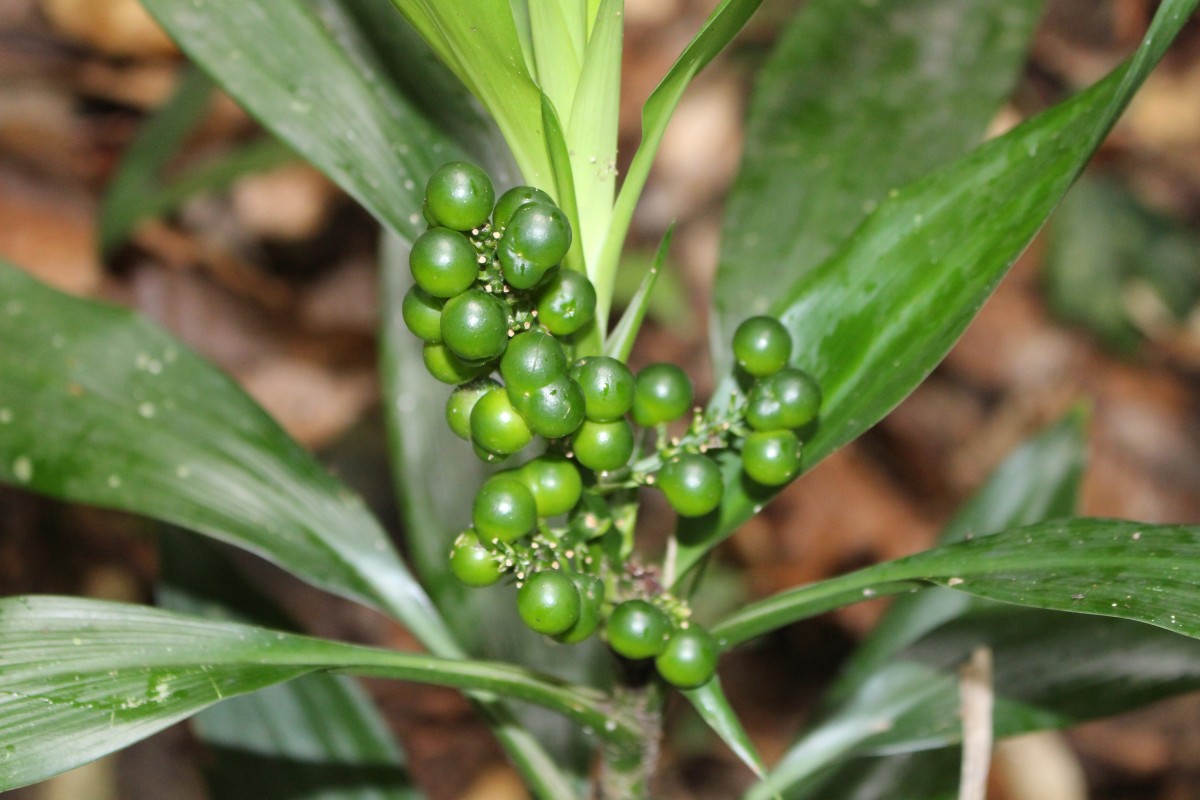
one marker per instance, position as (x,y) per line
(771,457)
(689,659)
(459,195)
(607,387)
(554,482)
(555,410)
(448,367)
(472,562)
(603,446)
(662,393)
(513,199)
(496,426)
(636,629)
(533,359)
(566,302)
(475,325)
(462,401)
(538,235)
(692,484)
(549,602)
(762,346)
(591,601)
(443,262)
(422,313)
(504,509)
(789,399)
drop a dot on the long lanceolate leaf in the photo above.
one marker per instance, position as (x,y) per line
(318,736)
(99,406)
(718,31)
(284,65)
(872,321)
(856,99)
(81,678)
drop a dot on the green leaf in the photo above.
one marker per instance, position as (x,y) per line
(478,40)
(620,344)
(855,99)
(1114,568)
(922,264)
(713,707)
(592,125)
(82,678)
(1050,670)
(99,406)
(1039,481)
(555,52)
(717,32)
(326,102)
(318,736)
(160,138)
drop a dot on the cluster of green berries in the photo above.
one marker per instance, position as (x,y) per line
(491,299)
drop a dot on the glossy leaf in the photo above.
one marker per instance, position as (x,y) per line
(1039,481)
(99,406)
(855,99)
(82,678)
(713,707)
(924,262)
(1114,568)
(718,31)
(478,40)
(318,736)
(592,125)
(323,100)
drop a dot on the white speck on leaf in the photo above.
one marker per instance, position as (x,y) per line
(954,582)
(23,469)
(147,410)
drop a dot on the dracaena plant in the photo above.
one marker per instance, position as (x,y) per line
(862,234)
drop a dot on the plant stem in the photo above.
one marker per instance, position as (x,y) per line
(626,773)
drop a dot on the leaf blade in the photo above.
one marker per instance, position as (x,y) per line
(83,678)
(947,240)
(104,408)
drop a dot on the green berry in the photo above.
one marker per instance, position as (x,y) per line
(554,482)
(475,325)
(771,457)
(662,393)
(422,313)
(591,602)
(496,426)
(690,658)
(566,302)
(607,387)
(459,195)
(448,367)
(636,629)
(762,346)
(536,239)
(555,410)
(603,446)
(443,262)
(513,199)
(462,401)
(549,602)
(472,562)
(692,484)
(504,509)
(789,399)
(532,360)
